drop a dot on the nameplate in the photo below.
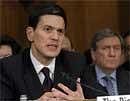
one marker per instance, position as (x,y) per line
(114,98)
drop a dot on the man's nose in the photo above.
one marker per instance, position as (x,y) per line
(55,35)
(112,52)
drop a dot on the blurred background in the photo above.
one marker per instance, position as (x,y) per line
(85,17)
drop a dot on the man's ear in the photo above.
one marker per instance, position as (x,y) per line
(93,54)
(30,33)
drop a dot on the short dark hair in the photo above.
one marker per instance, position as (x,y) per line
(104,34)
(125,34)
(126,46)
(8,40)
(47,8)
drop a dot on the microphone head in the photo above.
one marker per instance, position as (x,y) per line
(69,80)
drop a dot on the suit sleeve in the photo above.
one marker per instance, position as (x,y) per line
(6,84)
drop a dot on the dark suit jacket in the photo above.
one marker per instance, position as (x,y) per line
(126,65)
(18,76)
(94,89)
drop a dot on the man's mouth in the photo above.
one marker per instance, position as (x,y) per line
(52,46)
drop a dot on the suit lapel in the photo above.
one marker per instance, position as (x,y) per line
(32,82)
(57,73)
(94,88)
(99,89)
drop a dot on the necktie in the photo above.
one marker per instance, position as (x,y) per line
(47,83)
(109,85)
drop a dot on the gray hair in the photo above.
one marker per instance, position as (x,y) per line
(105,33)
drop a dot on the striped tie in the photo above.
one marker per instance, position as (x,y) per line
(47,84)
(109,85)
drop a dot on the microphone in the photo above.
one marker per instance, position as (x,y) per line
(67,77)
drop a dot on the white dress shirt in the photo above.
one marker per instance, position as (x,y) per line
(38,67)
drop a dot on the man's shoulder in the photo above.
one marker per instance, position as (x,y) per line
(89,71)
(125,66)
(10,59)
(72,58)
(73,61)
(13,61)
(121,71)
(11,65)
(71,54)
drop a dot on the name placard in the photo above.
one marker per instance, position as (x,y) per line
(114,98)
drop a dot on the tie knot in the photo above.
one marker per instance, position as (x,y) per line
(45,71)
(107,78)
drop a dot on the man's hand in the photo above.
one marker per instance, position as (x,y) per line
(72,95)
(49,96)
(46,96)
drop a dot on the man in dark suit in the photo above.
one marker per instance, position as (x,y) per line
(103,77)
(22,74)
(106,50)
(95,89)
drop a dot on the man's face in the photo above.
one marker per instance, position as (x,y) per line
(127,40)
(108,53)
(47,37)
(5,51)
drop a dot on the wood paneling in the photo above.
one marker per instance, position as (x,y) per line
(85,17)
(13,19)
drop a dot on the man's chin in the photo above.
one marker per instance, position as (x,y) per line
(52,55)
(112,67)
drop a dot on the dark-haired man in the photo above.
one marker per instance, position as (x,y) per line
(105,74)
(35,71)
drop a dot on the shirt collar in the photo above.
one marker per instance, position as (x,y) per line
(38,66)
(100,74)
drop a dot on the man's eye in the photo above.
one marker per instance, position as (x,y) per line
(104,48)
(61,31)
(117,48)
(47,29)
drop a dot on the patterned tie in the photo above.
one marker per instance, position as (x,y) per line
(47,84)
(109,85)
